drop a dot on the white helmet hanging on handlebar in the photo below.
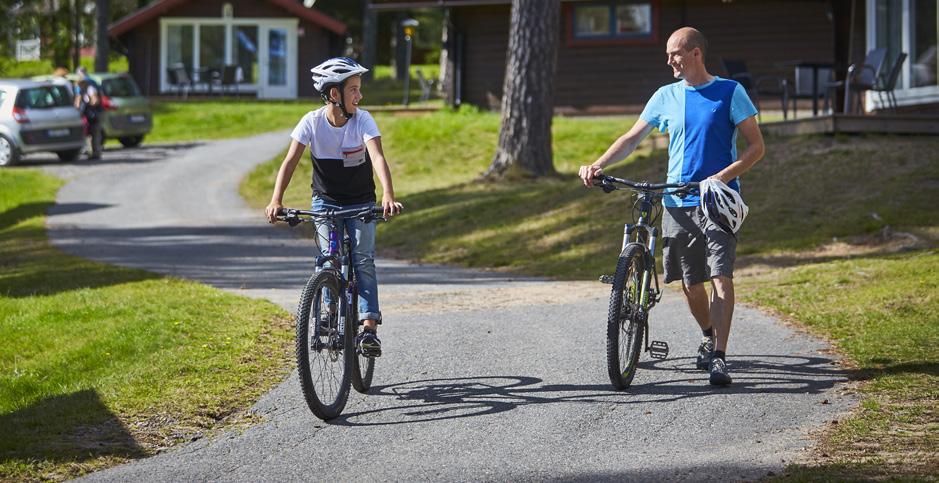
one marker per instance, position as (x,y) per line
(722,205)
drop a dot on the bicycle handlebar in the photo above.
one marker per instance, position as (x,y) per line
(608,183)
(293,216)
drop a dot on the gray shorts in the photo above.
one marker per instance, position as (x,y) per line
(695,250)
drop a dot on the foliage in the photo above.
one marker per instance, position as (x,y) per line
(101,364)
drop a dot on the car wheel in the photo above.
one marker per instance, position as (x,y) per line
(131,141)
(70,155)
(8,153)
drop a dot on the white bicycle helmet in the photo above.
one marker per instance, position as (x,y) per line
(335,71)
(722,205)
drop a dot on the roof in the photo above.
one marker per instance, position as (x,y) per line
(404,4)
(160,7)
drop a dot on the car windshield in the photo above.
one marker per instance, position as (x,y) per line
(120,87)
(45,97)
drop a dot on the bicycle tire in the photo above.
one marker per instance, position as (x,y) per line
(361,379)
(317,351)
(624,325)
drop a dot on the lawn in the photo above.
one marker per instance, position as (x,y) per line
(808,197)
(102,364)
(10,68)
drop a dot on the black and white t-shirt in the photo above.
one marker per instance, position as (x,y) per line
(342,168)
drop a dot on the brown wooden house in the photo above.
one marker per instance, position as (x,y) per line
(611,55)
(261,47)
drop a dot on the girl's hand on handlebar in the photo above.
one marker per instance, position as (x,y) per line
(272,211)
(390,206)
(588,172)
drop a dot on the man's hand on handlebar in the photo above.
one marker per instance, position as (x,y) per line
(587,174)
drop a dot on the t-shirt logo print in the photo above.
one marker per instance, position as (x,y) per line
(352,157)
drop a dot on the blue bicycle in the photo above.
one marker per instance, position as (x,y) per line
(327,318)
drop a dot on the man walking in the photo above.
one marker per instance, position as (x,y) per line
(702,114)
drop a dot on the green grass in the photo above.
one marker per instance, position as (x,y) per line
(102,364)
(879,310)
(882,312)
(200,120)
(178,121)
(10,68)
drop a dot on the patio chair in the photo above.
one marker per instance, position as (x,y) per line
(426,85)
(770,85)
(805,87)
(231,77)
(179,78)
(862,77)
(890,83)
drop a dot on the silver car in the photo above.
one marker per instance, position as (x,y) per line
(38,116)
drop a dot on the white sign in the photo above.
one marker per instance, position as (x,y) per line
(27,49)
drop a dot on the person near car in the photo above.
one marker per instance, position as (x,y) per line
(88,101)
(345,146)
(702,114)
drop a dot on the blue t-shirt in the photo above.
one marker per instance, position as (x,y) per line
(701,122)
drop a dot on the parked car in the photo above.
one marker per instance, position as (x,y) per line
(127,114)
(38,116)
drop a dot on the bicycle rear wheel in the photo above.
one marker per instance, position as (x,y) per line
(363,368)
(324,350)
(624,322)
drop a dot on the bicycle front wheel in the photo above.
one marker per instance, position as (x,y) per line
(363,368)
(324,349)
(624,324)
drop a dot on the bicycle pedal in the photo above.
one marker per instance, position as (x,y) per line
(607,279)
(658,349)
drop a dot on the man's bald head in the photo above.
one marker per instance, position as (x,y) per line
(688,38)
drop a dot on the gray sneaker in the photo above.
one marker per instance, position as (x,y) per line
(719,375)
(705,353)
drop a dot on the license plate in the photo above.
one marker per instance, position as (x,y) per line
(58,133)
(138,118)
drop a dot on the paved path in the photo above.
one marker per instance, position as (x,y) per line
(484,377)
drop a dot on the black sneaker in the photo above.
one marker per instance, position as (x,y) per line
(368,344)
(719,375)
(705,353)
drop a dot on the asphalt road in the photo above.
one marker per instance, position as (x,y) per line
(484,376)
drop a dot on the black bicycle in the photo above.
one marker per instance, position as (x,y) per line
(635,282)
(327,317)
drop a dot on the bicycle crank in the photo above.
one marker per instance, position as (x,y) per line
(658,349)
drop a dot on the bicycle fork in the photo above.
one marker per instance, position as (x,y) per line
(657,349)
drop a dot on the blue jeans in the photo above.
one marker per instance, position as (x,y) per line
(362,236)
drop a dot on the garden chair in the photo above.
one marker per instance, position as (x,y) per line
(179,78)
(862,77)
(770,85)
(890,83)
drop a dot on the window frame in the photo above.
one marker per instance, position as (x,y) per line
(905,93)
(573,40)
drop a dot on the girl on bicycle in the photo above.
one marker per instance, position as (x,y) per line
(345,146)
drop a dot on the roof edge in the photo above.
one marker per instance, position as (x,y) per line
(145,14)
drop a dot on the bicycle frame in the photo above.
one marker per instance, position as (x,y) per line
(645,235)
(334,257)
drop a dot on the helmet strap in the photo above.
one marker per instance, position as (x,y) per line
(341,103)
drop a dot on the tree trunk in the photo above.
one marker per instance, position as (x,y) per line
(77,6)
(103,15)
(528,91)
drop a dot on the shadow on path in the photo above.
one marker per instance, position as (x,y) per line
(439,399)
(70,427)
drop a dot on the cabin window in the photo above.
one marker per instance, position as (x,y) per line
(614,20)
